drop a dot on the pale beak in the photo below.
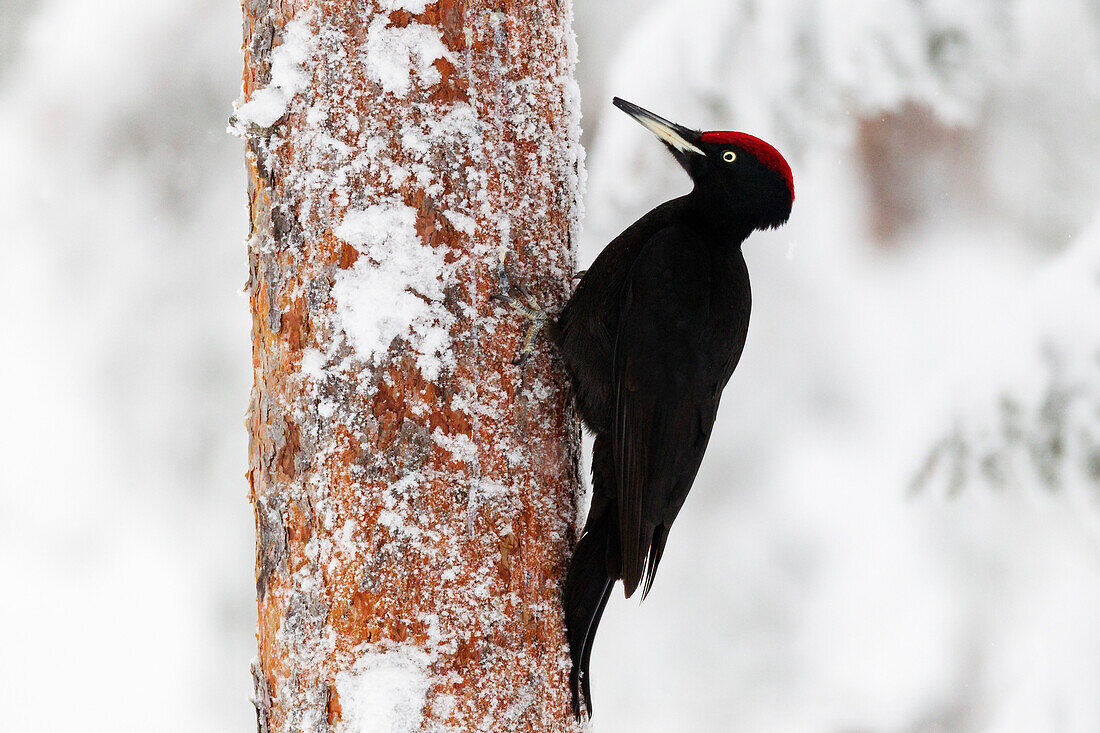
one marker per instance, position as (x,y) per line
(681,140)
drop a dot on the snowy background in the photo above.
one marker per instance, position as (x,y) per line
(897,526)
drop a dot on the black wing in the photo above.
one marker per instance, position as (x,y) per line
(675,347)
(586,328)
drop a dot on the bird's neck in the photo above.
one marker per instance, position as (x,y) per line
(713,214)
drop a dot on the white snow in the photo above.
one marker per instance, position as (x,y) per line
(465,224)
(288,75)
(384,691)
(313,363)
(394,55)
(412,6)
(394,290)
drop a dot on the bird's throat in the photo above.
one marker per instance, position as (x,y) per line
(717,217)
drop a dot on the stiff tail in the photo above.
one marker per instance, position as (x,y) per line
(587,588)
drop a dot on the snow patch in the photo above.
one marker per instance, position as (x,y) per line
(465,224)
(313,364)
(288,77)
(412,6)
(394,54)
(394,290)
(385,691)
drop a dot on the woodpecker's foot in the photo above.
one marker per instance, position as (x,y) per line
(536,318)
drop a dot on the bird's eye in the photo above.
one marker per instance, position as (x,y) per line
(729,156)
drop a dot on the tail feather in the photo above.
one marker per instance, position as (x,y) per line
(656,549)
(586,655)
(587,587)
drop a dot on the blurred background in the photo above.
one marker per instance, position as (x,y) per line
(897,526)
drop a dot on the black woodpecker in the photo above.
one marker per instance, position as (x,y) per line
(649,338)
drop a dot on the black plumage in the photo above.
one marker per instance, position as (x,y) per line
(649,338)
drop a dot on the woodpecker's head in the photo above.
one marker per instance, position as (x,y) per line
(737,176)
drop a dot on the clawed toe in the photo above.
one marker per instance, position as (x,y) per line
(535,317)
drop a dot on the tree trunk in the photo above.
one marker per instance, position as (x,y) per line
(414,491)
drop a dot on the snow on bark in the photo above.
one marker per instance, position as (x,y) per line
(395,54)
(385,691)
(288,78)
(415,493)
(394,290)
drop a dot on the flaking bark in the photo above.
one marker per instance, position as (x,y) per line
(399,512)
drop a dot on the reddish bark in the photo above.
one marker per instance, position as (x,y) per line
(419,512)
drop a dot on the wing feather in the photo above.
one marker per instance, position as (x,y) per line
(663,397)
